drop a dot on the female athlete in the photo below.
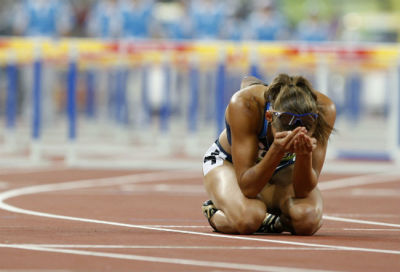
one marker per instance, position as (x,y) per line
(262,172)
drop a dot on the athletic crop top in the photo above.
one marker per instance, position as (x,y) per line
(263,145)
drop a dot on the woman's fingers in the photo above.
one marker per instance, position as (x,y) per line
(307,142)
(304,144)
(296,141)
(281,135)
(290,138)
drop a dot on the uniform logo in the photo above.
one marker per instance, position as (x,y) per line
(212,157)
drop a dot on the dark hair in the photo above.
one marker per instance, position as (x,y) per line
(296,94)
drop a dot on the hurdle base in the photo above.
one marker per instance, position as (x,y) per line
(71,155)
(36,151)
(10,141)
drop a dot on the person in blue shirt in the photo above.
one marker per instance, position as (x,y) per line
(42,19)
(312,28)
(137,18)
(234,26)
(104,20)
(45,18)
(208,17)
(266,23)
(178,24)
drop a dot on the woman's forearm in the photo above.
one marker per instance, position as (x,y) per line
(304,177)
(255,178)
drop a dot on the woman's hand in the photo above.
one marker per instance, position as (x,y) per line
(304,144)
(284,140)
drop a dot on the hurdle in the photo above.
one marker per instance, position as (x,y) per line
(11,102)
(71,104)
(205,74)
(35,154)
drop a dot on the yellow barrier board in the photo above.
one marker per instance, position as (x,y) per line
(24,50)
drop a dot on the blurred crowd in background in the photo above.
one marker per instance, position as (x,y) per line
(266,20)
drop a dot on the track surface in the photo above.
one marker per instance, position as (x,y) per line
(64,219)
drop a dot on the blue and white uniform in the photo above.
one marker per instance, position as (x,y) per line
(208,18)
(43,18)
(215,155)
(104,20)
(136,19)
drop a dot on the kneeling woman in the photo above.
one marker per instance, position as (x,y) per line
(262,172)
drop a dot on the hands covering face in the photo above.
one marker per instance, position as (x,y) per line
(295,141)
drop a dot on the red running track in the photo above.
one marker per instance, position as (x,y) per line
(86,220)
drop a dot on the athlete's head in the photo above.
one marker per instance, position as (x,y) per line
(294,103)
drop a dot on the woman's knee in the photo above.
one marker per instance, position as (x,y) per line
(305,219)
(248,218)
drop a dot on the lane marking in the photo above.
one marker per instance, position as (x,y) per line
(356,181)
(170,247)
(375,192)
(359,180)
(160,176)
(207,227)
(101,182)
(23,169)
(179,226)
(169,188)
(224,265)
(144,178)
(371,229)
(366,222)
(373,215)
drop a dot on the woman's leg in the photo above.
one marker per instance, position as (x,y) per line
(301,216)
(236,213)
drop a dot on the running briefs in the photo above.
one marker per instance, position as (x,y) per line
(215,157)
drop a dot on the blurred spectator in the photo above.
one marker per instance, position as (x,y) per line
(236,14)
(176,22)
(137,17)
(44,18)
(208,18)
(267,23)
(105,20)
(313,28)
(5,17)
(81,10)
(233,29)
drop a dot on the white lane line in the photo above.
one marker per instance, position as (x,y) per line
(207,227)
(356,181)
(224,265)
(111,181)
(179,226)
(371,215)
(145,178)
(32,169)
(373,192)
(359,180)
(383,230)
(169,247)
(365,222)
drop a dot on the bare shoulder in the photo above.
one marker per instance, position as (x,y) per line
(246,105)
(249,81)
(328,107)
(244,101)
